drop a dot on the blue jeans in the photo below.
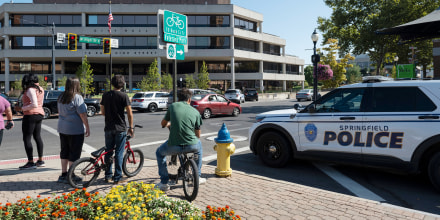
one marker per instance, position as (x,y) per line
(115,140)
(165,150)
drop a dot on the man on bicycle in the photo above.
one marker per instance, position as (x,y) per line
(184,123)
(113,104)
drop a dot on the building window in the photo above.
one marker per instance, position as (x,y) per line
(18,20)
(248,45)
(130,43)
(19,42)
(247,67)
(245,24)
(269,67)
(216,66)
(208,20)
(292,69)
(122,20)
(271,49)
(208,42)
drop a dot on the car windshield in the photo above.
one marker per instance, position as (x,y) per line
(198,97)
(230,92)
(305,91)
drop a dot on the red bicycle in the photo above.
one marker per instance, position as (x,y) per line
(86,170)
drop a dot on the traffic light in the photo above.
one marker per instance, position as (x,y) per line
(106,48)
(71,43)
(45,78)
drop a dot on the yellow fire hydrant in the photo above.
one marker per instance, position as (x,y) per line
(224,148)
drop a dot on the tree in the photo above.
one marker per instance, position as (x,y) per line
(16,85)
(167,81)
(62,81)
(337,66)
(108,83)
(190,82)
(203,77)
(354,74)
(354,24)
(150,82)
(308,74)
(85,76)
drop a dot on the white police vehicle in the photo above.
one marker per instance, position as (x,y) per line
(385,124)
(150,101)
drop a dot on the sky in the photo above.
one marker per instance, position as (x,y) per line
(292,20)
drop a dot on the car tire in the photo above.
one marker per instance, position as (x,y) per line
(256,99)
(298,100)
(46,112)
(206,113)
(434,170)
(274,150)
(91,111)
(235,112)
(152,107)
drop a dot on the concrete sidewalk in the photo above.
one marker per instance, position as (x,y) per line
(250,196)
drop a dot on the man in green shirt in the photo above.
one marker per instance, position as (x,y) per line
(184,123)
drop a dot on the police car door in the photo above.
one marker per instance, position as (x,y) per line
(396,122)
(331,130)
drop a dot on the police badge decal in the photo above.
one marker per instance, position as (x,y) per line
(311,131)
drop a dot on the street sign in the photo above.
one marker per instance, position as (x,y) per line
(175,27)
(171,51)
(180,52)
(89,40)
(114,43)
(61,38)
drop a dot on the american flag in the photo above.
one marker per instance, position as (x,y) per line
(110,19)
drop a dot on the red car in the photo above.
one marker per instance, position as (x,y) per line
(214,104)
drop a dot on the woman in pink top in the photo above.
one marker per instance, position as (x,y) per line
(33,96)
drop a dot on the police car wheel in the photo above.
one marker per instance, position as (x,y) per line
(274,150)
(434,170)
(91,111)
(46,112)
(152,107)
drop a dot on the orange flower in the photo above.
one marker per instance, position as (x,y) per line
(8,204)
(6,213)
(87,194)
(28,209)
(38,196)
(66,197)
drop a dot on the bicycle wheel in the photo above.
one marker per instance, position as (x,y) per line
(190,180)
(83,172)
(173,168)
(133,162)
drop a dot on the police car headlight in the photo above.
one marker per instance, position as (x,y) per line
(259,118)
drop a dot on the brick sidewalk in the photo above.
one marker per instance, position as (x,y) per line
(250,196)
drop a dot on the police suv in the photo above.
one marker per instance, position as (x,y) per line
(385,124)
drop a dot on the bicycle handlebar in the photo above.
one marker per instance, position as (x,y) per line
(135,126)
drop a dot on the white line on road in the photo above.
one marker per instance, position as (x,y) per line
(348,183)
(86,148)
(214,156)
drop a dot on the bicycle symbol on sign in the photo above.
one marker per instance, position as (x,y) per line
(174,20)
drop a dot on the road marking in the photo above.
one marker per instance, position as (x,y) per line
(86,148)
(348,183)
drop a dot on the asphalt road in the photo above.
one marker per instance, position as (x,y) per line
(408,191)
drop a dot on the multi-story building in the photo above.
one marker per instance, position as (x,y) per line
(228,38)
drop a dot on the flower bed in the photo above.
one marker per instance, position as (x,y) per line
(136,200)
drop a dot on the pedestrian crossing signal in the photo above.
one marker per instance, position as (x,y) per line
(71,43)
(106,48)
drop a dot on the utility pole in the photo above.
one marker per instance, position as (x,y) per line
(54,80)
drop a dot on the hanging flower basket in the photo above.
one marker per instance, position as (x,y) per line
(324,72)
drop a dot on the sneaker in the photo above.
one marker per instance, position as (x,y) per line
(164,187)
(202,180)
(108,180)
(40,163)
(62,179)
(28,166)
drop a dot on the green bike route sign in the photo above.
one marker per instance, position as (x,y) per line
(175,27)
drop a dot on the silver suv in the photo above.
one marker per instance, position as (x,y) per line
(392,124)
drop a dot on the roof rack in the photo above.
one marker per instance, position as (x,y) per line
(375,79)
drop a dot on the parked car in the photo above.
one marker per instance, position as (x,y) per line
(194,91)
(214,90)
(250,94)
(50,104)
(214,104)
(150,101)
(12,100)
(306,94)
(235,95)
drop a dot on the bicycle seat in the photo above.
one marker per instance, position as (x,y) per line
(97,153)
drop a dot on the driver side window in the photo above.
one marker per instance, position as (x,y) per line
(343,100)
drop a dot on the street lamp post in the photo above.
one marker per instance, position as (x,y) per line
(396,58)
(315,59)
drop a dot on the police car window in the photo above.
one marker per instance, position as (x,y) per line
(342,100)
(148,95)
(159,94)
(400,99)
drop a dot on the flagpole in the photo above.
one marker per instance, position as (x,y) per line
(111,64)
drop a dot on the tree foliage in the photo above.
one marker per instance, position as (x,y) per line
(167,81)
(308,74)
(354,74)
(336,65)
(41,82)
(190,81)
(85,76)
(354,24)
(62,81)
(150,82)
(203,77)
